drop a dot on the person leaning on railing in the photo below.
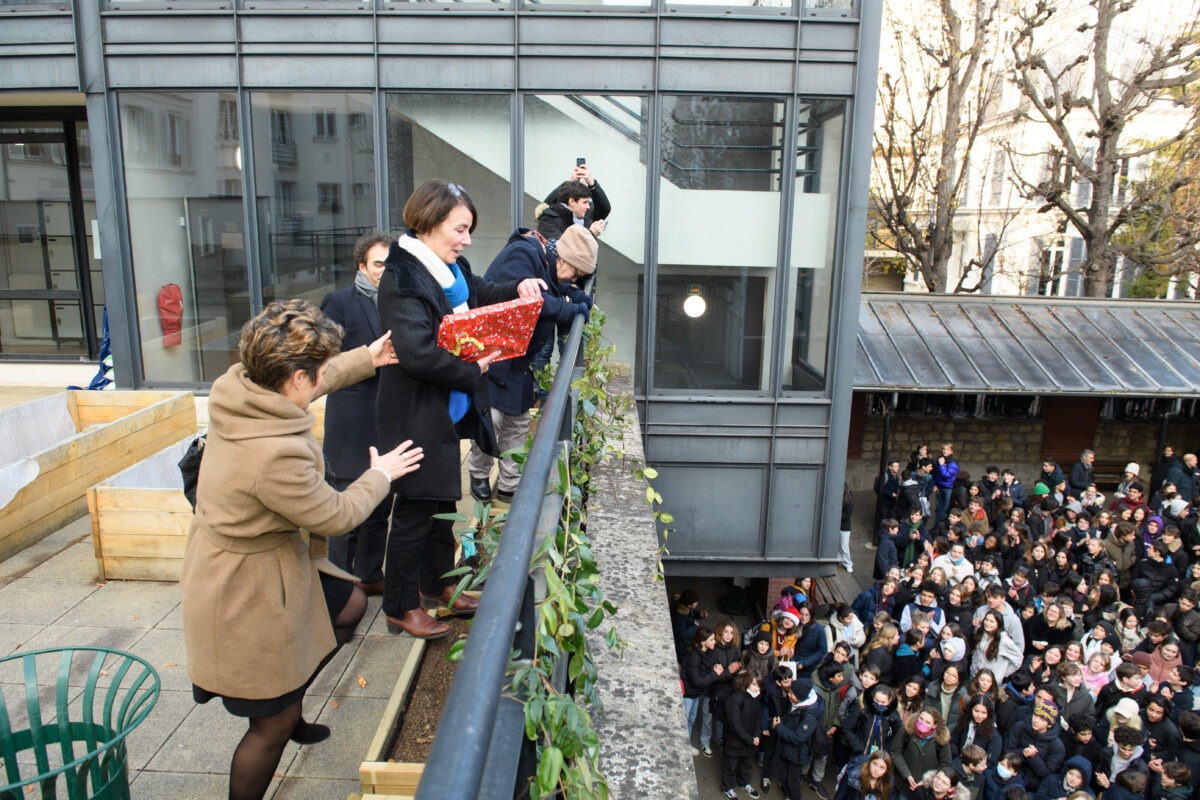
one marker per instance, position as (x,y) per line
(256,615)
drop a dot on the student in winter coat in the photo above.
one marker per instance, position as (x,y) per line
(431,397)
(887,556)
(258,620)
(867,778)
(796,732)
(1125,755)
(1129,785)
(1037,740)
(875,725)
(1005,774)
(845,626)
(758,655)
(1171,781)
(1076,776)
(700,672)
(948,694)
(881,652)
(923,745)
(727,654)
(742,733)
(977,726)
(995,649)
(1078,699)
(941,784)
(810,643)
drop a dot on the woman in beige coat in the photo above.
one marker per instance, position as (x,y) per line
(255,621)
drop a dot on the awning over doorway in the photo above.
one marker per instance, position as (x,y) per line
(1027,345)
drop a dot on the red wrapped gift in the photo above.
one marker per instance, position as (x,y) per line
(506,327)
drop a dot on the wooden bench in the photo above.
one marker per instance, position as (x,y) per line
(1107,474)
(838,588)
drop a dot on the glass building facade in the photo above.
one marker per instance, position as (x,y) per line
(233,150)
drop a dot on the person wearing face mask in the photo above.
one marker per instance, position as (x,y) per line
(1005,774)
(876,726)
(743,734)
(923,745)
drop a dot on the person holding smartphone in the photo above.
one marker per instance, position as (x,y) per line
(579,200)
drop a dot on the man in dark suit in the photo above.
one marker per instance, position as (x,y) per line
(350,413)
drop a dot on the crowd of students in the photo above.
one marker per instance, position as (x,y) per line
(1011,647)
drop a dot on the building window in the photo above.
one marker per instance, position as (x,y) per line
(283,144)
(137,130)
(1083,186)
(360,191)
(721,169)
(176,134)
(324,123)
(357,121)
(997,185)
(329,198)
(227,124)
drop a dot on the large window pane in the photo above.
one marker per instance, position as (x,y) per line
(39,253)
(717,243)
(186,227)
(462,138)
(820,127)
(609,132)
(314,157)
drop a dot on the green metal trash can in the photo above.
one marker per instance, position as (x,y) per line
(68,718)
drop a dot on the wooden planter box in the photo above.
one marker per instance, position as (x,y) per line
(140,518)
(388,780)
(77,439)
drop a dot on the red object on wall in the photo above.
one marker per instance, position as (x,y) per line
(170,314)
(506,327)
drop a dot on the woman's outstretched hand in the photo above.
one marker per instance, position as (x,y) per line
(382,352)
(399,462)
(531,287)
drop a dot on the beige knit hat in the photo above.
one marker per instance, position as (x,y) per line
(578,248)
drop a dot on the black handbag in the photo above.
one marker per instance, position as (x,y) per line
(189,467)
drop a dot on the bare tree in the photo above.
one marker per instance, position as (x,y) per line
(931,109)
(1088,98)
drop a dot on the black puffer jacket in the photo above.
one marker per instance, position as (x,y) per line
(741,724)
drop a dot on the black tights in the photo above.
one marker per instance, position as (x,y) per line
(257,755)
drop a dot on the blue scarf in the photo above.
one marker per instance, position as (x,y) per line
(457,293)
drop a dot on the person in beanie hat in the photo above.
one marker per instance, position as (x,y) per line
(510,383)
(758,655)
(573,256)
(1037,739)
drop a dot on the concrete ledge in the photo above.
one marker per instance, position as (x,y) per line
(644,749)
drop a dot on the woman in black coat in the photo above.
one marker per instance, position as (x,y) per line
(431,397)
(742,731)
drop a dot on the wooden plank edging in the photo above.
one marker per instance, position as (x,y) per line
(376,773)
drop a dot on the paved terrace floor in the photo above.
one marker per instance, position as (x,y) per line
(51,596)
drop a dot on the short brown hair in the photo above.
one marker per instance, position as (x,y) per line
(364,243)
(286,336)
(432,202)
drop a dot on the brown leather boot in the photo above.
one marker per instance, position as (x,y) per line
(419,624)
(464,606)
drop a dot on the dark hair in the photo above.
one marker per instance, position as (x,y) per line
(1189,725)
(1083,721)
(828,670)
(572,190)
(1178,772)
(701,636)
(882,787)
(287,336)
(1127,736)
(1132,780)
(364,243)
(746,678)
(1015,760)
(984,731)
(782,673)
(432,202)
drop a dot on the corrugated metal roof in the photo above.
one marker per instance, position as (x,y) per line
(1034,345)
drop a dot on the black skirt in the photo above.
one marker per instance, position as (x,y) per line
(337,593)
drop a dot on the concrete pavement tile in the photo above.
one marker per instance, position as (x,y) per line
(14,635)
(188,785)
(126,604)
(165,651)
(203,742)
(76,561)
(164,719)
(313,789)
(34,600)
(378,660)
(42,551)
(174,620)
(15,701)
(353,724)
(331,675)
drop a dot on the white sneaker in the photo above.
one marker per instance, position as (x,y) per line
(850,569)
(695,752)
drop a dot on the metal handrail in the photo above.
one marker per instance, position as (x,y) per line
(455,767)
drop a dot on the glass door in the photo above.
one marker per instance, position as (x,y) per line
(47,232)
